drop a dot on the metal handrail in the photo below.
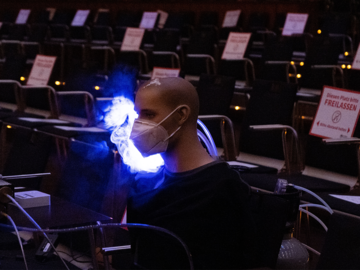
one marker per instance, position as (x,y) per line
(89,104)
(230,152)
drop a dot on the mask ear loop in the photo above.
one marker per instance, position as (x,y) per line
(169,115)
(172,134)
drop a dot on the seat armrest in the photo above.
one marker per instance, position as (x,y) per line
(229,148)
(115,250)
(287,153)
(352,140)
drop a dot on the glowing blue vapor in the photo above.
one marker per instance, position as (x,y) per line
(121,118)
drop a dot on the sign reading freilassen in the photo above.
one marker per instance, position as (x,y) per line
(295,23)
(236,46)
(356,62)
(337,113)
(132,39)
(41,70)
(162,18)
(159,72)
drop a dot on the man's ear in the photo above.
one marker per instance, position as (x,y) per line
(183,113)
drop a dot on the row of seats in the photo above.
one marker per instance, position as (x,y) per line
(295,58)
(202,53)
(126,18)
(270,103)
(216,95)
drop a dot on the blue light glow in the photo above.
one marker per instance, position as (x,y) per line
(120,119)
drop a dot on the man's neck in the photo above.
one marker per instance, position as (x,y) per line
(188,155)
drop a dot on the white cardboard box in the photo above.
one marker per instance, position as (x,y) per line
(32,198)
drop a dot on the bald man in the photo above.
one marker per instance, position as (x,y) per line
(195,196)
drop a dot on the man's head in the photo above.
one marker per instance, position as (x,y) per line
(174,98)
(159,97)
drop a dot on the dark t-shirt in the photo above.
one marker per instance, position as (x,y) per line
(206,207)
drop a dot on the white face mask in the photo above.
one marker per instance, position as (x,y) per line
(151,138)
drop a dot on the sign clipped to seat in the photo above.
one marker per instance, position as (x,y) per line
(23,16)
(162,18)
(231,18)
(41,70)
(132,39)
(80,17)
(356,62)
(236,45)
(52,12)
(337,113)
(159,72)
(294,23)
(148,20)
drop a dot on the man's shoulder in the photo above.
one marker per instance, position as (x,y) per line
(219,169)
(215,174)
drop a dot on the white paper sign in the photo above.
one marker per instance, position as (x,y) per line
(23,16)
(231,18)
(80,17)
(295,23)
(41,70)
(132,39)
(163,17)
(51,13)
(352,199)
(337,113)
(356,63)
(236,46)
(148,20)
(159,72)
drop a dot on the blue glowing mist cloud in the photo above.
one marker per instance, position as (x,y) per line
(120,119)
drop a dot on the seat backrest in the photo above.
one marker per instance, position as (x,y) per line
(336,158)
(43,17)
(336,23)
(342,243)
(17,32)
(40,98)
(38,32)
(77,104)
(103,18)
(258,21)
(324,50)
(270,214)
(86,174)
(156,250)
(215,94)
(10,93)
(352,79)
(167,40)
(278,50)
(202,42)
(63,17)
(79,33)
(270,103)
(100,33)
(128,19)
(28,154)
(208,18)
